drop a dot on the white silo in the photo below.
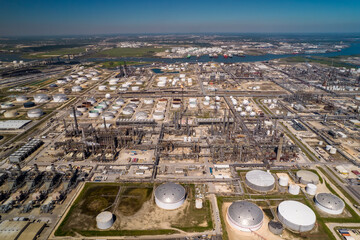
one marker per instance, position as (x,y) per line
(294,189)
(283,180)
(104,220)
(311,189)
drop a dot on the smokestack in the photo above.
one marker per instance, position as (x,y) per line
(75,119)
(278,154)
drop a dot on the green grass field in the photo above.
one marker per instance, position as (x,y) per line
(55,53)
(97,197)
(114,64)
(129,52)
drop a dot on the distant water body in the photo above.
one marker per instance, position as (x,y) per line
(352,50)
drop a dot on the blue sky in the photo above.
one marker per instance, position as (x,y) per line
(51,17)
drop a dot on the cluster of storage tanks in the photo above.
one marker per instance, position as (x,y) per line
(182,80)
(271,103)
(131,84)
(246,216)
(244,107)
(331,149)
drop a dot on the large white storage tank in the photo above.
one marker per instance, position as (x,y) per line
(104,220)
(41,98)
(59,98)
(170,196)
(21,98)
(306,177)
(245,216)
(329,203)
(296,216)
(260,180)
(35,113)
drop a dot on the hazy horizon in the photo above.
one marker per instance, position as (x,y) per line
(47,18)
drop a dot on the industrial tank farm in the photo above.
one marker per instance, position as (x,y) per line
(170,196)
(204,150)
(245,216)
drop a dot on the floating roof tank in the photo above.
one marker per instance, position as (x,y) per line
(260,180)
(306,177)
(296,216)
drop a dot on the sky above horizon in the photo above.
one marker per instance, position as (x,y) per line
(66,17)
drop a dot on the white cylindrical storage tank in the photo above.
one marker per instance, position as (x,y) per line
(294,189)
(7,105)
(328,147)
(93,113)
(246,102)
(99,109)
(158,116)
(333,150)
(91,100)
(161,84)
(248,108)
(252,114)
(102,88)
(108,116)
(10,114)
(81,108)
(77,113)
(107,96)
(59,98)
(206,103)
(135,88)
(113,81)
(35,113)
(41,98)
(76,88)
(306,177)
(120,102)
(296,216)
(283,180)
(243,114)
(61,81)
(104,220)
(245,216)
(176,105)
(260,180)
(95,78)
(170,196)
(141,115)
(149,101)
(21,98)
(198,203)
(128,111)
(113,88)
(329,203)
(311,189)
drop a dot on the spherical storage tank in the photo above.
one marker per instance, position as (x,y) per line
(170,196)
(260,180)
(296,216)
(104,220)
(329,203)
(306,177)
(35,113)
(245,216)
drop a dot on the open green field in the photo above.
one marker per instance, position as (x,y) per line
(317,59)
(55,53)
(129,52)
(98,197)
